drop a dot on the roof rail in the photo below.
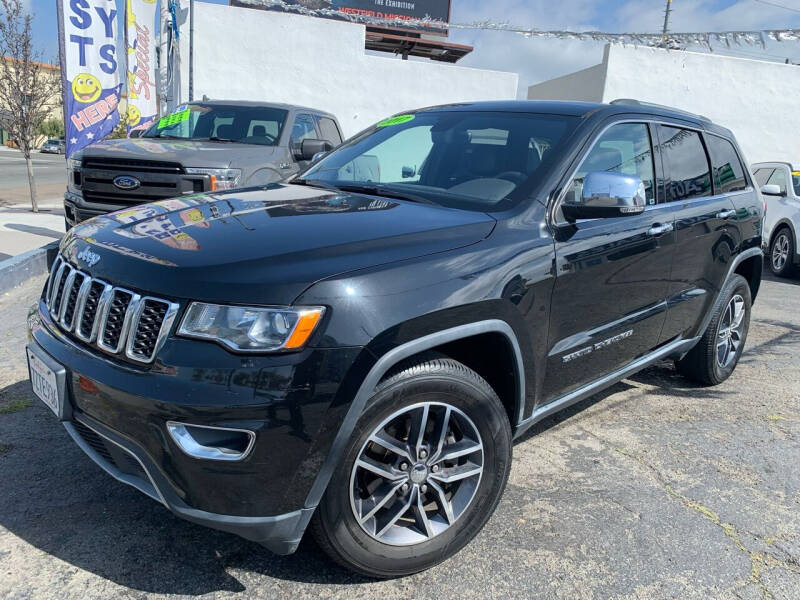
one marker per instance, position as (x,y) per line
(633,102)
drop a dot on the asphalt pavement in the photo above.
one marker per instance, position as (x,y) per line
(655,488)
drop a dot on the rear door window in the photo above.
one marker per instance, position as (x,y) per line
(689,174)
(728,170)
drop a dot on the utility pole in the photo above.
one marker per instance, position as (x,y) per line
(666,21)
(191,50)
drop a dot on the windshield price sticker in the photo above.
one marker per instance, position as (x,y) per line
(398,120)
(174,119)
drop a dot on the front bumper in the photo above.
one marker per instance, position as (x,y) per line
(294,403)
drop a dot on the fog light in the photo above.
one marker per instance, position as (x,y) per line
(212,443)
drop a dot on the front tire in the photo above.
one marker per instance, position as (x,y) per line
(717,353)
(781,253)
(422,473)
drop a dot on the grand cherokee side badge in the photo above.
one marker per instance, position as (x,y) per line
(89,257)
(589,349)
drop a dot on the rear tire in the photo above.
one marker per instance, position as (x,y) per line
(782,252)
(463,412)
(717,353)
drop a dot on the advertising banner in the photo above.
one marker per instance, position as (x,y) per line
(89,70)
(400,10)
(140,41)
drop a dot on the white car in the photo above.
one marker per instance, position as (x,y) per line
(780,186)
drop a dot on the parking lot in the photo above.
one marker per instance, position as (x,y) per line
(654,488)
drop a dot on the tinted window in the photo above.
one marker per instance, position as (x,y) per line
(796,182)
(461,159)
(623,148)
(762,176)
(329,131)
(689,175)
(728,170)
(778,178)
(303,129)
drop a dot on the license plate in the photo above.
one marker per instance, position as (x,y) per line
(45,383)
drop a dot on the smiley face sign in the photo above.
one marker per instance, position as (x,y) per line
(86,88)
(134,116)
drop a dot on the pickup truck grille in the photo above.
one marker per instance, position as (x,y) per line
(157,180)
(114,319)
(131,165)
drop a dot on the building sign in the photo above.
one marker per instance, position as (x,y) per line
(381,9)
(89,70)
(140,41)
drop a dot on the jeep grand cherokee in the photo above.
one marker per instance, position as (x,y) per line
(355,350)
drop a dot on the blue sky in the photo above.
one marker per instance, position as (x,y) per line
(540,59)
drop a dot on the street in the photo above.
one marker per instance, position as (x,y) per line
(49,171)
(20,229)
(654,488)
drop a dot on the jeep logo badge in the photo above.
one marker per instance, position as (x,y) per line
(126,182)
(89,257)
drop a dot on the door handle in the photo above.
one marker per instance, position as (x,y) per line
(726,214)
(659,229)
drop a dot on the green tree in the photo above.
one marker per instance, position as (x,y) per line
(52,128)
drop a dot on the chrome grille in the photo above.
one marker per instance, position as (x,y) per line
(114,319)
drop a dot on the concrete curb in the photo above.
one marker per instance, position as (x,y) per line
(20,268)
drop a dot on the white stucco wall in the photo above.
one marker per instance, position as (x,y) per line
(757,100)
(246,54)
(586,85)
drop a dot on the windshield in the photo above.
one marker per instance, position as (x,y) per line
(796,182)
(470,160)
(243,124)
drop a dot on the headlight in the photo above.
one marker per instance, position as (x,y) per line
(251,329)
(73,173)
(221,179)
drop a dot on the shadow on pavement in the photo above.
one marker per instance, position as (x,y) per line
(56,499)
(43,231)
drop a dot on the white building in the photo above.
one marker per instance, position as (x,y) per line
(246,54)
(757,100)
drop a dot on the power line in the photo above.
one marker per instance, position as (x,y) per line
(797,10)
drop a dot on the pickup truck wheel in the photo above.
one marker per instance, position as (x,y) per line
(715,356)
(781,253)
(422,473)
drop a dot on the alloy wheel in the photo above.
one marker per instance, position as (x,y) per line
(729,335)
(416,474)
(780,252)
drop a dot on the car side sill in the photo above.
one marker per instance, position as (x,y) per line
(676,347)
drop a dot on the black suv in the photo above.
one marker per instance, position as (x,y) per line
(355,350)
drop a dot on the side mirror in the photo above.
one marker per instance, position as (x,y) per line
(407,172)
(605,195)
(771,190)
(308,148)
(317,156)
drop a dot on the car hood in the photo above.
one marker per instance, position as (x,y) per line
(261,245)
(188,153)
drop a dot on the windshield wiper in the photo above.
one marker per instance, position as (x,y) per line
(315,183)
(381,190)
